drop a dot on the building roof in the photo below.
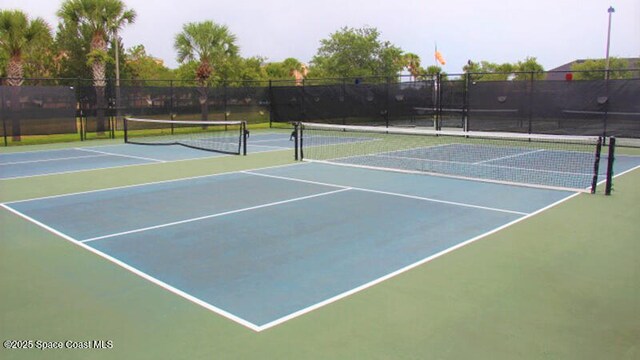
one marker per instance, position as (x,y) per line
(559,72)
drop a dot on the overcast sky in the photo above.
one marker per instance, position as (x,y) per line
(553,31)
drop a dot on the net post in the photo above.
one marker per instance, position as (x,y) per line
(299,140)
(124,125)
(295,141)
(245,135)
(596,165)
(113,124)
(83,124)
(610,160)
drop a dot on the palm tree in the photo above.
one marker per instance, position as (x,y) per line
(412,63)
(210,44)
(18,36)
(100,19)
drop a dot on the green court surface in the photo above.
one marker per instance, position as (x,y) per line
(562,284)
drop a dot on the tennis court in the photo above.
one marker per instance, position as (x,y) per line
(277,244)
(279,241)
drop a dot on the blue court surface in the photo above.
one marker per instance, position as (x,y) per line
(48,162)
(262,247)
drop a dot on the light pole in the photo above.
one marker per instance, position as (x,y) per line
(611,10)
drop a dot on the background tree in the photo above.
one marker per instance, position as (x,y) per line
(208,43)
(283,70)
(593,69)
(353,52)
(72,52)
(432,71)
(140,66)
(186,72)
(4,60)
(488,71)
(250,69)
(529,65)
(97,19)
(19,37)
(213,47)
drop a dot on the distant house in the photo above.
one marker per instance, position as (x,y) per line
(559,72)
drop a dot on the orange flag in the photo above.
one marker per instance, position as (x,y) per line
(440,58)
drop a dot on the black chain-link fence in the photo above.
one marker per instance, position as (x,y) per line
(71,109)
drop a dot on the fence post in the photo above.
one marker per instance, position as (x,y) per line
(344,100)
(531,92)
(171,104)
(270,104)
(302,103)
(438,103)
(2,115)
(386,110)
(79,114)
(465,102)
(224,99)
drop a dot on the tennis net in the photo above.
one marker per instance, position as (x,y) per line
(547,161)
(227,137)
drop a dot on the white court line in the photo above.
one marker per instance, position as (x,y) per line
(213,215)
(622,173)
(284,138)
(48,150)
(269,146)
(140,273)
(75,171)
(391,194)
(122,155)
(508,156)
(58,159)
